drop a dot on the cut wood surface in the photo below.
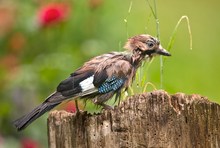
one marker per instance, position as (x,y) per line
(154,119)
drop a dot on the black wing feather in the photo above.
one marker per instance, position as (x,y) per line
(100,78)
(70,86)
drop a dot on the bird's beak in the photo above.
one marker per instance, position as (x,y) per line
(162,51)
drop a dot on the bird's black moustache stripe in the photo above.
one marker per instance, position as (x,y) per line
(149,52)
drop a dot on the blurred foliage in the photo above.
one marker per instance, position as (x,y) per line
(42,42)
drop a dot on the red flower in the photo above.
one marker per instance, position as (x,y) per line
(70,107)
(53,13)
(29,143)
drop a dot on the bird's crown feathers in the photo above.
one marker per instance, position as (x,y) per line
(146,45)
(140,41)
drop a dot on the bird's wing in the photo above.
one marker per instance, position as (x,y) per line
(113,74)
(102,74)
(80,83)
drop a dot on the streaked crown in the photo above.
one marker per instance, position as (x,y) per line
(146,45)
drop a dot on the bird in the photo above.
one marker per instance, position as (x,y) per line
(101,77)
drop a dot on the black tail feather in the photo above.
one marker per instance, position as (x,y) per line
(25,120)
(52,101)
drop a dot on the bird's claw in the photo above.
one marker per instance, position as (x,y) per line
(107,107)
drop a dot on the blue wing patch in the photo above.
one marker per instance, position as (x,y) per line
(111,84)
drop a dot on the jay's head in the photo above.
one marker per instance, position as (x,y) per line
(145,45)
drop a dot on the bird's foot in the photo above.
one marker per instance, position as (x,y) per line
(77,106)
(107,107)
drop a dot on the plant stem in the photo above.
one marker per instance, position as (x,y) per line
(158,36)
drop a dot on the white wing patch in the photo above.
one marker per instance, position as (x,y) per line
(87,86)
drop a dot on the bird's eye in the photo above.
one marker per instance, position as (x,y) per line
(150,44)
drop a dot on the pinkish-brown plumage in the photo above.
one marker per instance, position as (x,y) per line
(101,77)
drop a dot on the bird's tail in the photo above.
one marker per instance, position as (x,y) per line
(52,101)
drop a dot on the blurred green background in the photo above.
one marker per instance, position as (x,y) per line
(42,42)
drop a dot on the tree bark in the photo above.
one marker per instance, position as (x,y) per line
(154,119)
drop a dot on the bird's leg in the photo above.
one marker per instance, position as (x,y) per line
(105,106)
(77,106)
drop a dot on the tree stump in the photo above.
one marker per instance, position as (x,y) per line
(154,119)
